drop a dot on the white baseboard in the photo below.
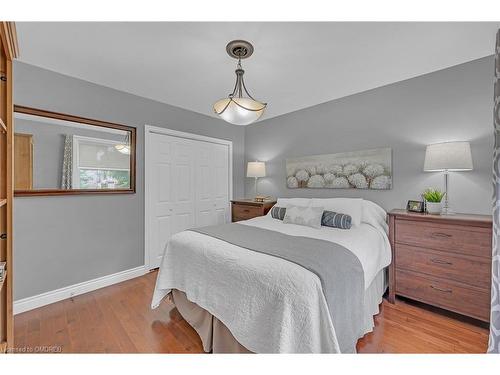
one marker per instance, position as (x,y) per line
(47,298)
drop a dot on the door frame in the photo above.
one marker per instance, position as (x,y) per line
(148,131)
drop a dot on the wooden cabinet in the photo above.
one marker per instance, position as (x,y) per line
(244,209)
(23,161)
(443,260)
(8,51)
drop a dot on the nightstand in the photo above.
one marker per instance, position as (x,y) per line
(244,209)
(442,260)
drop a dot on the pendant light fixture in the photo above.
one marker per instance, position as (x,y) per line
(124,147)
(239,108)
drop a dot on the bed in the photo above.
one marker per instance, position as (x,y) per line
(239,299)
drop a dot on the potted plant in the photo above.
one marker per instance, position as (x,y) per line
(433,198)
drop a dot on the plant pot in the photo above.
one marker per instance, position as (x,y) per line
(434,208)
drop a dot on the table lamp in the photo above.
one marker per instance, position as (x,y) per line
(448,157)
(256,169)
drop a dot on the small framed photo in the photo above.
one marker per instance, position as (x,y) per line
(415,206)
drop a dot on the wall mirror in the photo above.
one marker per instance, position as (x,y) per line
(59,154)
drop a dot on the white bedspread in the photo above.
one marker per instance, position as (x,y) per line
(270,305)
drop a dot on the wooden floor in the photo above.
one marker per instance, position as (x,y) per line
(117,319)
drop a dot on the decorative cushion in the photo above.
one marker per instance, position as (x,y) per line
(300,215)
(336,220)
(350,206)
(278,212)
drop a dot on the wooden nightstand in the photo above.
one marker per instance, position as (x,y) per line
(443,261)
(244,209)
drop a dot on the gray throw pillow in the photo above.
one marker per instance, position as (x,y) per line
(278,212)
(300,215)
(336,220)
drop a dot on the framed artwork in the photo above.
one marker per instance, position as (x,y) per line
(367,169)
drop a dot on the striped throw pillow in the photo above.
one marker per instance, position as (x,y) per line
(336,220)
(278,212)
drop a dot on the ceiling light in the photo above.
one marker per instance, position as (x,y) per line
(237,108)
(124,147)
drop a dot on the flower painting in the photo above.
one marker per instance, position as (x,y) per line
(368,169)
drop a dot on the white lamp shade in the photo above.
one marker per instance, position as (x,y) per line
(448,156)
(236,114)
(256,169)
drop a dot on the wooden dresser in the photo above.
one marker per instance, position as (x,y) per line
(244,209)
(444,261)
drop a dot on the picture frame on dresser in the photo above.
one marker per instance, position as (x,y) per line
(442,260)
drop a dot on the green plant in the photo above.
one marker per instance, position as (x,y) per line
(433,195)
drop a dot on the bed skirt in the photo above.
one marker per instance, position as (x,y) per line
(217,338)
(214,335)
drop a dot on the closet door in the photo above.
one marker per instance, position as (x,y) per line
(187,185)
(205,184)
(171,191)
(222,183)
(212,184)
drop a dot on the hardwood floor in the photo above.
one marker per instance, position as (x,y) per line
(117,319)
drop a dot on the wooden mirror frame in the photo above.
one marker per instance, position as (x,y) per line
(82,120)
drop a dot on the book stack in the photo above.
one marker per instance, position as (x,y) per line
(2,270)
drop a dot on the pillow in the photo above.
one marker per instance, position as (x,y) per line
(304,215)
(349,206)
(278,212)
(294,202)
(285,202)
(375,215)
(336,220)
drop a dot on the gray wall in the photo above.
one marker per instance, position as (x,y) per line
(78,238)
(48,148)
(75,239)
(451,104)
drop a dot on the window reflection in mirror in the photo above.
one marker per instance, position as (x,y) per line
(60,152)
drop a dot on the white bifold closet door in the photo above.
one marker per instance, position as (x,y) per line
(188,186)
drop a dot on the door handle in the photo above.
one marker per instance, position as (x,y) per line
(441,290)
(440,261)
(439,234)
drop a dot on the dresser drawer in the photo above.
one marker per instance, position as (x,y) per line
(450,295)
(470,270)
(245,212)
(462,239)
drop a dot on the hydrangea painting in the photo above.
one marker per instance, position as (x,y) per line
(368,169)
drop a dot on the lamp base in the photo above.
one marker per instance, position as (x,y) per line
(447,211)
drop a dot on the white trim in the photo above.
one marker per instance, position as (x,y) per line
(179,134)
(148,130)
(47,298)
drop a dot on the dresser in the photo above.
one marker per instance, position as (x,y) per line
(442,260)
(244,209)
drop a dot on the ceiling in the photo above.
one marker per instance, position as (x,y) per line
(294,66)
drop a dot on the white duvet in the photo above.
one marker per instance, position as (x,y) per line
(270,305)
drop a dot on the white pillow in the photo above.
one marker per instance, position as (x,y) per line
(350,206)
(375,215)
(286,202)
(304,215)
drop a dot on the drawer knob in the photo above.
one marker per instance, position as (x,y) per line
(441,290)
(440,261)
(246,210)
(440,234)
